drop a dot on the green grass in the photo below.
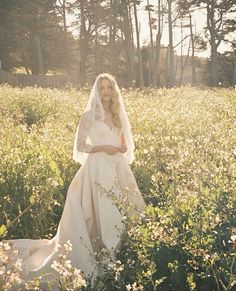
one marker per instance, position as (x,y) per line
(185,167)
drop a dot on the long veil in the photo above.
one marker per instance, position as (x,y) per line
(95,111)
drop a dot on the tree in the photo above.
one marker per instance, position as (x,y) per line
(62,8)
(128,40)
(171,79)
(158,43)
(33,33)
(8,43)
(140,69)
(218,27)
(151,21)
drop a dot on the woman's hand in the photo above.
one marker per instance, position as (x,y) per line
(123,148)
(109,149)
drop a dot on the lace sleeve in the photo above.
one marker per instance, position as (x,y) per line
(83,130)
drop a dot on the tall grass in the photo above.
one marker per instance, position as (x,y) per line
(185,167)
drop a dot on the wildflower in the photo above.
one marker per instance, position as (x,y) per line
(10,267)
(68,246)
(69,276)
(134,287)
(53,182)
(233,242)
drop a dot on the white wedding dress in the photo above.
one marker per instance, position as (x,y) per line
(90,218)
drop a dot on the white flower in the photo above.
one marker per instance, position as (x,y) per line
(234,151)
(134,287)
(6,246)
(67,273)
(68,246)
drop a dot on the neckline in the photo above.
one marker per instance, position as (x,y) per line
(111,128)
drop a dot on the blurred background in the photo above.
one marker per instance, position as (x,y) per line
(149,43)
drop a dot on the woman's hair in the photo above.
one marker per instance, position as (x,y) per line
(115,105)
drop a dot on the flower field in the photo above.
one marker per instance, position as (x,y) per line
(185,166)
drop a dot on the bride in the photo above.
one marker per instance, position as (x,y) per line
(92,219)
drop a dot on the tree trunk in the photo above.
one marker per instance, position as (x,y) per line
(167,66)
(128,43)
(193,52)
(140,66)
(37,59)
(83,41)
(185,62)
(171,48)
(112,33)
(151,59)
(130,23)
(66,59)
(211,28)
(158,48)
(96,53)
(60,7)
(181,54)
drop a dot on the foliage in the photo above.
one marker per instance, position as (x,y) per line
(227,63)
(30,28)
(185,167)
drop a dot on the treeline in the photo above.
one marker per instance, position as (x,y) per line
(37,35)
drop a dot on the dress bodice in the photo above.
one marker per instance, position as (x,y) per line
(90,134)
(105,135)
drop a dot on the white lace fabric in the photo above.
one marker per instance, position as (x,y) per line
(83,130)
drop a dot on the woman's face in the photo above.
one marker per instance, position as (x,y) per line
(105,90)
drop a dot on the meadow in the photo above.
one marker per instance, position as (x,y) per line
(185,167)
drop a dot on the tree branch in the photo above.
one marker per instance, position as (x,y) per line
(181,41)
(220,20)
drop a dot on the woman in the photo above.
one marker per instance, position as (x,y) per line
(92,216)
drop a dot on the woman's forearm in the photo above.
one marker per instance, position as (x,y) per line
(86,148)
(98,148)
(109,149)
